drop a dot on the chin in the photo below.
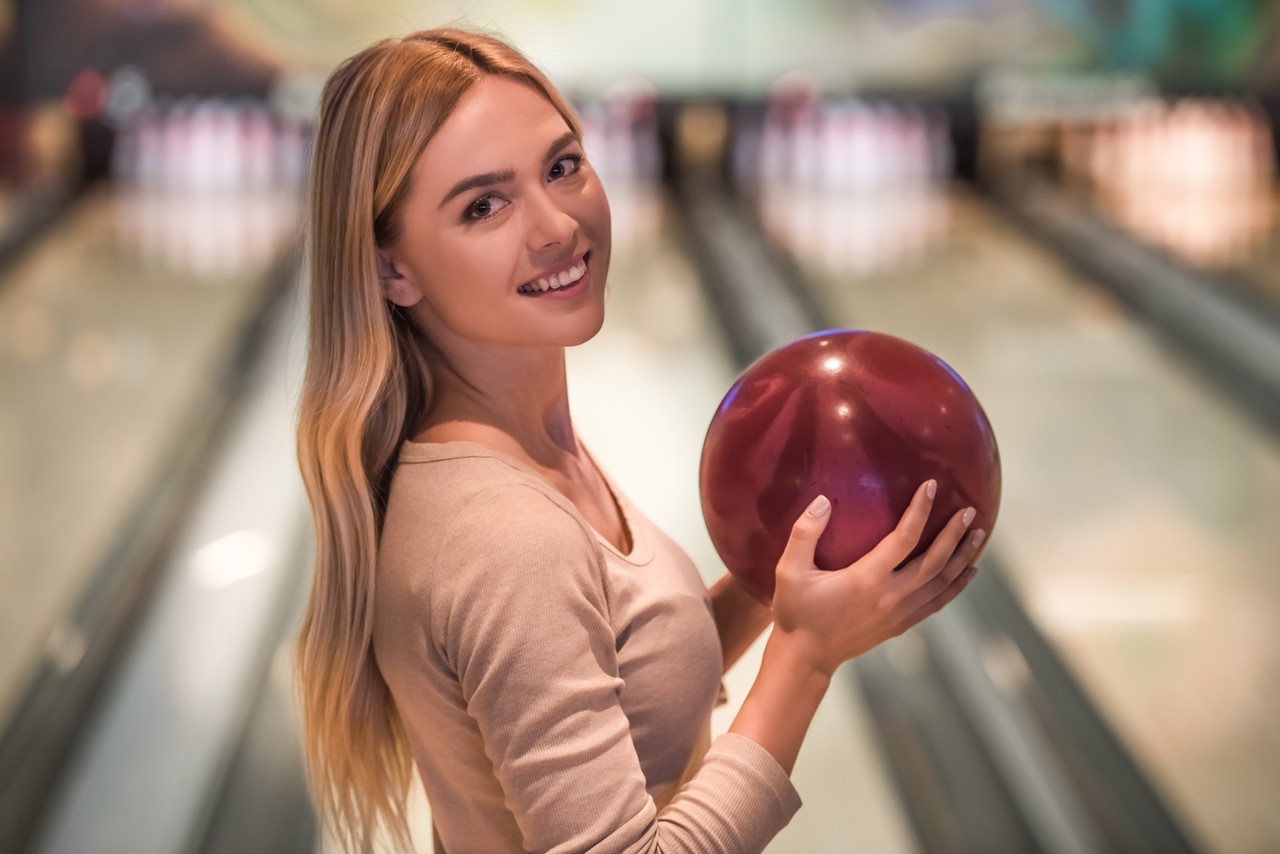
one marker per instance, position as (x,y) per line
(588,329)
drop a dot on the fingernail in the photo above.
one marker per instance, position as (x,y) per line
(967,518)
(931,488)
(977,538)
(820,506)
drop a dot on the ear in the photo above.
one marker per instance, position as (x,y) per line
(395,286)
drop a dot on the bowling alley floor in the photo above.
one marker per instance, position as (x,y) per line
(1140,504)
(114,328)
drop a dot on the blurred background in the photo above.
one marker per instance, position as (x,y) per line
(1072,202)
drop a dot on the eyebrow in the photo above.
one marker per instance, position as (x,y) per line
(486,178)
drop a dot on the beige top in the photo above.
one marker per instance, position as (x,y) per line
(557,693)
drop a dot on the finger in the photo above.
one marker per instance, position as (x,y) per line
(805,532)
(980,550)
(902,540)
(928,565)
(966,554)
(937,603)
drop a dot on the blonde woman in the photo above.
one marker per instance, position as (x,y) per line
(488,607)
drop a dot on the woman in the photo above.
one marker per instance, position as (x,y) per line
(487,606)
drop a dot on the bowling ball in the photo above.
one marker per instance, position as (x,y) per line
(860,417)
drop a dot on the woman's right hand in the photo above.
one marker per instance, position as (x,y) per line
(833,616)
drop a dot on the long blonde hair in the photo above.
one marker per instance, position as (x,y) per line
(367,387)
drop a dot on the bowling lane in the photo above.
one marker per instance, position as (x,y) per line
(1138,518)
(116,330)
(1230,235)
(1192,177)
(643,394)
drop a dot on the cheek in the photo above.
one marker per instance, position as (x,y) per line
(479,263)
(460,276)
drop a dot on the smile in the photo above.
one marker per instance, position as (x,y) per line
(563,280)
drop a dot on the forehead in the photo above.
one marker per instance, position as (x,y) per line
(500,123)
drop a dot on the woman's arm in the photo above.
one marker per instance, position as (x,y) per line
(823,619)
(740,618)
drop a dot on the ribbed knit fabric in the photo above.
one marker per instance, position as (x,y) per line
(557,693)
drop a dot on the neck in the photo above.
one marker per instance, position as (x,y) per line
(517,401)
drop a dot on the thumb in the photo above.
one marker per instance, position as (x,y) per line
(805,533)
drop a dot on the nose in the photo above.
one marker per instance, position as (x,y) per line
(550,224)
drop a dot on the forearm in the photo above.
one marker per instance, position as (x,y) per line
(780,706)
(740,618)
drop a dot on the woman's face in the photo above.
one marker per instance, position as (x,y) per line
(501,204)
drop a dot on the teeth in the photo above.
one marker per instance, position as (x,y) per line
(555,281)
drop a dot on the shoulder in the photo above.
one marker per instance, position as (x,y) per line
(460,515)
(514,564)
(516,517)
(470,538)
(467,494)
(517,538)
(438,486)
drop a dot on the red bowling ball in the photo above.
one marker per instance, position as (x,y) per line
(860,417)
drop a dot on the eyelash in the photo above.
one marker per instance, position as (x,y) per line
(470,214)
(577,163)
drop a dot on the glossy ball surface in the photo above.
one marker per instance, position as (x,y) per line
(861,417)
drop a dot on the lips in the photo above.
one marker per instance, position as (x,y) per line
(560,280)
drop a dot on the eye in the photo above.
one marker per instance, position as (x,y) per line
(565,166)
(484,207)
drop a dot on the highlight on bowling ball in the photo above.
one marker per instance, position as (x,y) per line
(860,417)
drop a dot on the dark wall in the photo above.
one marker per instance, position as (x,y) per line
(180,51)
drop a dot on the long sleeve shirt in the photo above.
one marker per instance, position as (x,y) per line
(556,693)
